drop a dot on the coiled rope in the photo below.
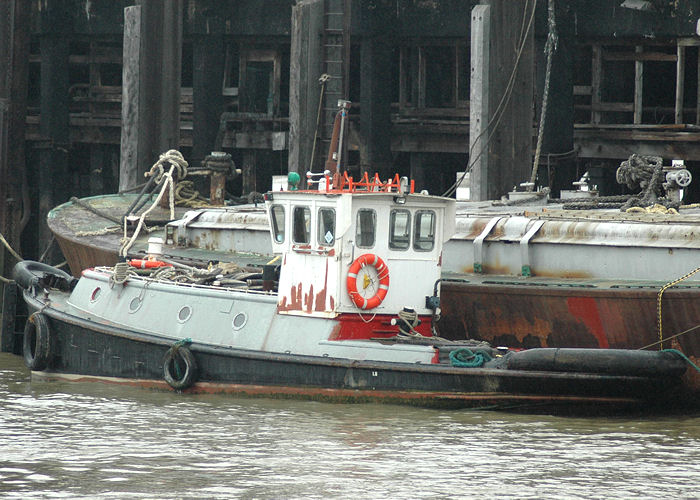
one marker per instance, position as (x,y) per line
(466,358)
(122,271)
(409,318)
(658,302)
(178,166)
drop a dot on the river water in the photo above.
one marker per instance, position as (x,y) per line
(67,440)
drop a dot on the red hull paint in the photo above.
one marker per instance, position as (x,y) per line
(362,326)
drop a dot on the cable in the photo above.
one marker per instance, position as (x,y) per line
(500,109)
(10,249)
(550,48)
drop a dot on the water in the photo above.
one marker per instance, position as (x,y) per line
(62,440)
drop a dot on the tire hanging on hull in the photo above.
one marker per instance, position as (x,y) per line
(179,367)
(36,347)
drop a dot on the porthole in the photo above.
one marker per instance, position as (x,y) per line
(95,294)
(184,314)
(239,320)
(135,304)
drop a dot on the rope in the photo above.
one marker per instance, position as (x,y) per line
(99,232)
(410,320)
(121,272)
(656,208)
(500,109)
(9,248)
(177,165)
(186,342)
(671,337)
(658,302)
(465,358)
(186,195)
(645,172)
(549,48)
(676,351)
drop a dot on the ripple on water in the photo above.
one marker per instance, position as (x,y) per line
(74,440)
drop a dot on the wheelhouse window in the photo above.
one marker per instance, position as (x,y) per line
(277,218)
(424,231)
(365,228)
(326,227)
(399,229)
(301,223)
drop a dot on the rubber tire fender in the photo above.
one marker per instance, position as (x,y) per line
(36,346)
(28,273)
(179,354)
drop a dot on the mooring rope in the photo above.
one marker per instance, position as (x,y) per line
(658,302)
(550,47)
(178,166)
(9,248)
(676,351)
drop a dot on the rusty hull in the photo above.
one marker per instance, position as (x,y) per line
(515,315)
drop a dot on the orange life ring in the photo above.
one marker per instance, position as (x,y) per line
(368,259)
(148,264)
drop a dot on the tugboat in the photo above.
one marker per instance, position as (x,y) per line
(345,312)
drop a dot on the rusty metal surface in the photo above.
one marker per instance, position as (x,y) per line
(570,316)
(546,316)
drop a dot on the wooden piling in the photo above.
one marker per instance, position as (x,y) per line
(151,86)
(509,138)
(14,58)
(304,86)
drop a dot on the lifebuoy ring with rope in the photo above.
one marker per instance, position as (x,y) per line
(379,278)
(148,264)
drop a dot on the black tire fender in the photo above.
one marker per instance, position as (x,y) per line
(179,368)
(36,346)
(29,273)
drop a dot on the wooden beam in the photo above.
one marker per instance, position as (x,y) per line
(14,56)
(638,85)
(614,106)
(596,80)
(639,56)
(680,83)
(304,87)
(128,168)
(207,79)
(697,100)
(510,144)
(155,77)
(375,72)
(479,102)
(421,77)
(54,184)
